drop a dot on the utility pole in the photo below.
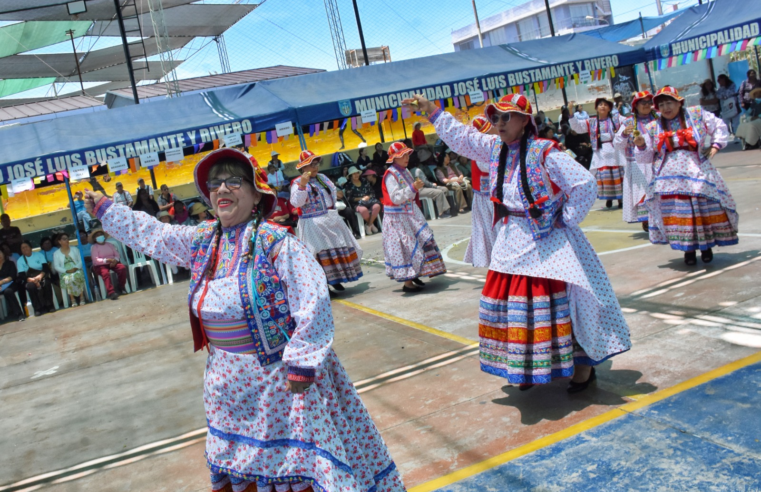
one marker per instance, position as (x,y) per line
(361,34)
(70,32)
(478,25)
(660,7)
(552,32)
(128,58)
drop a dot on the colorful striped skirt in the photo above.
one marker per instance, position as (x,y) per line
(610,183)
(340,264)
(695,222)
(525,330)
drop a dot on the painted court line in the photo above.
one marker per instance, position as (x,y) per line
(406,322)
(543,442)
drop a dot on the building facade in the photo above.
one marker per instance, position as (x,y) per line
(529,21)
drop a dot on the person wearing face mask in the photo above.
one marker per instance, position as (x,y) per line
(689,204)
(259,302)
(547,309)
(636,178)
(606,164)
(105,259)
(321,227)
(749,132)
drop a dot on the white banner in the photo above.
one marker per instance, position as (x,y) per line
(283,129)
(150,159)
(117,164)
(369,116)
(585,78)
(79,172)
(23,184)
(233,139)
(476,97)
(174,155)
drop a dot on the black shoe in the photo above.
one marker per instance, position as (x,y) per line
(21,318)
(37,314)
(706,255)
(690,258)
(620,204)
(609,204)
(113,296)
(419,282)
(411,290)
(445,215)
(646,226)
(338,287)
(579,387)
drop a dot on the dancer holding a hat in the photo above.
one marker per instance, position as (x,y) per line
(636,178)
(483,235)
(408,245)
(689,204)
(606,162)
(320,226)
(282,413)
(547,310)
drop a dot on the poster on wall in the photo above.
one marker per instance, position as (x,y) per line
(174,155)
(21,185)
(79,172)
(624,82)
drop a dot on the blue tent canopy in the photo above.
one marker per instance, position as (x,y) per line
(332,95)
(706,26)
(45,147)
(631,29)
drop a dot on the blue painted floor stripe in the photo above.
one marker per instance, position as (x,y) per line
(707,438)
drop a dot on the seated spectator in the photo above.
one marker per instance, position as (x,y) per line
(166,199)
(9,285)
(418,137)
(35,276)
(363,161)
(341,183)
(454,180)
(146,204)
(431,190)
(8,253)
(123,197)
(68,263)
(85,247)
(374,178)
(142,186)
(164,217)
(749,132)
(46,245)
(345,209)
(87,217)
(198,213)
(105,258)
(360,194)
(379,158)
(341,159)
(179,212)
(580,146)
(463,165)
(275,178)
(284,214)
(10,235)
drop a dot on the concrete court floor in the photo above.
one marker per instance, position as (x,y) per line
(108,396)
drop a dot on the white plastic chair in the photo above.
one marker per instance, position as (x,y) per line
(361,222)
(140,262)
(4,306)
(114,282)
(168,277)
(428,210)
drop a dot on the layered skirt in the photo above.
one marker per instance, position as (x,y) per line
(525,330)
(691,223)
(409,248)
(263,438)
(336,249)
(610,183)
(483,236)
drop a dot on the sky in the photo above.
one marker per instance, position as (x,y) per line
(295,32)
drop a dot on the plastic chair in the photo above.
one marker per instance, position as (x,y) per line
(167,277)
(140,262)
(114,281)
(4,306)
(361,222)
(428,210)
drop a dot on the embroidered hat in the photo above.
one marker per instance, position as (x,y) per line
(667,91)
(511,103)
(201,176)
(397,149)
(482,123)
(639,96)
(306,157)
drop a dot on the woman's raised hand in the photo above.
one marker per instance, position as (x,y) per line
(419,102)
(93,196)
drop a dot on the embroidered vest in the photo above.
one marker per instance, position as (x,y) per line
(479,179)
(593,122)
(547,196)
(316,204)
(693,118)
(404,178)
(262,294)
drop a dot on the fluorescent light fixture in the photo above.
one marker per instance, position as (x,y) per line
(77,7)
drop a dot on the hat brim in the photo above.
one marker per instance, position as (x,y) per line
(603,99)
(307,162)
(638,99)
(503,108)
(401,153)
(201,176)
(670,96)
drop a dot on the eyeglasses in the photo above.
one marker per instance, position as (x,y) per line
(232,183)
(505,117)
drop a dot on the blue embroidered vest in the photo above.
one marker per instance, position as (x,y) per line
(316,204)
(546,199)
(262,294)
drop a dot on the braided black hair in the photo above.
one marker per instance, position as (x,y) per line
(211,267)
(503,151)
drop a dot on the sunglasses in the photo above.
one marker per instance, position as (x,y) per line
(505,117)
(232,183)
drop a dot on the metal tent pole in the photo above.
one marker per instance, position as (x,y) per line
(79,239)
